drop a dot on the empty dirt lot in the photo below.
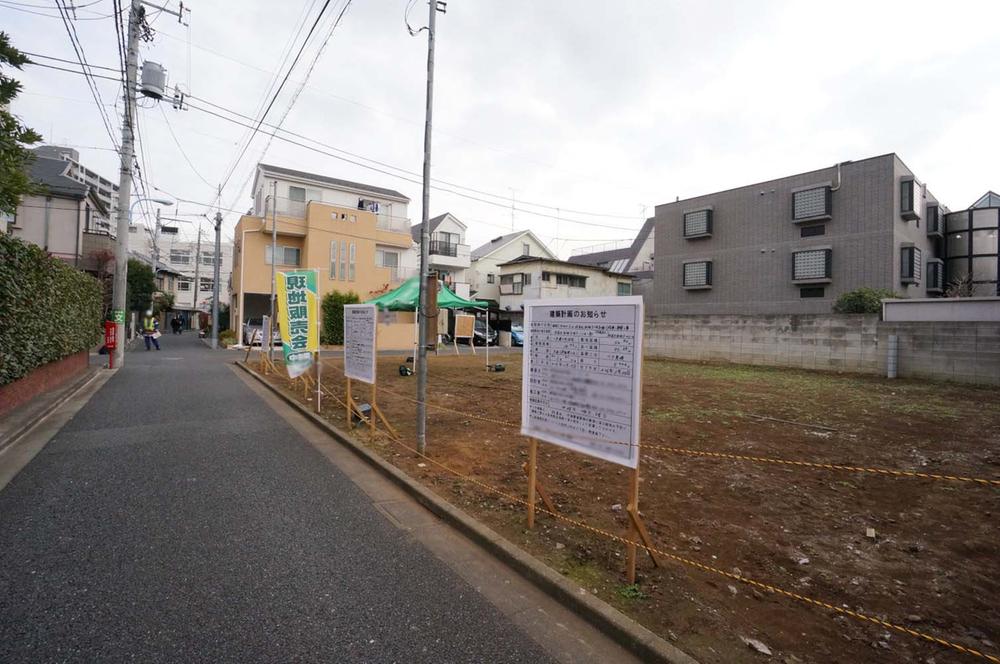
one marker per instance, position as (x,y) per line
(933,564)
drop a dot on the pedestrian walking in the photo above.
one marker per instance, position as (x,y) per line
(151,330)
(175,324)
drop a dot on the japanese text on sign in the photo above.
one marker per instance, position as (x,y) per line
(359,342)
(582,375)
(298,304)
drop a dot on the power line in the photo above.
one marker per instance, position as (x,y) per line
(181,149)
(277,92)
(72,62)
(7,4)
(295,95)
(505,206)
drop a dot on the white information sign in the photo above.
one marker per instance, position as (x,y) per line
(359,342)
(583,375)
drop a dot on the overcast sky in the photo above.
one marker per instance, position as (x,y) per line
(604,108)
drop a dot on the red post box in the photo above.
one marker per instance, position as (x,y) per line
(110,341)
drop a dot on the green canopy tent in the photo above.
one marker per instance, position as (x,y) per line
(407,298)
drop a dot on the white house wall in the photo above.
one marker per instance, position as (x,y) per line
(490,263)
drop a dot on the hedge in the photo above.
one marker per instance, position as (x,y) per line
(332,332)
(48,310)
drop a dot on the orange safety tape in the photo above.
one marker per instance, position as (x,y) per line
(708,568)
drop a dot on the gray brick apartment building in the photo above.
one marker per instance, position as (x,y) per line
(794,244)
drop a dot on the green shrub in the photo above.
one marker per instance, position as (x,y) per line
(227,338)
(141,285)
(48,309)
(862,301)
(332,332)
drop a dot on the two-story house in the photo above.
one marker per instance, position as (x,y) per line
(535,278)
(357,235)
(487,258)
(448,252)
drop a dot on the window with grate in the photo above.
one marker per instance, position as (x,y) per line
(811,203)
(811,264)
(910,265)
(698,223)
(698,274)
(624,288)
(935,274)
(933,219)
(907,199)
(180,256)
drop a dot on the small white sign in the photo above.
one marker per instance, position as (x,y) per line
(582,382)
(359,342)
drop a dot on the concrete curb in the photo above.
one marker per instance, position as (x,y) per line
(622,629)
(88,375)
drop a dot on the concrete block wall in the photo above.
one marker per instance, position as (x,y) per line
(838,343)
(963,352)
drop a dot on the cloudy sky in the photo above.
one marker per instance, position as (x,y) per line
(588,113)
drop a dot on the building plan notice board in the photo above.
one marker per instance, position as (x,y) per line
(359,342)
(583,375)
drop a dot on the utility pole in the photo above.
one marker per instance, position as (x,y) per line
(197,275)
(125,182)
(215,281)
(274,260)
(424,304)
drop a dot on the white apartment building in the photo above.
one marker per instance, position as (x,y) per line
(449,254)
(487,258)
(184,257)
(535,278)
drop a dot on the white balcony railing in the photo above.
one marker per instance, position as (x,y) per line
(387,222)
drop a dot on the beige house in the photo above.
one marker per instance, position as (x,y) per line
(536,278)
(66,218)
(356,235)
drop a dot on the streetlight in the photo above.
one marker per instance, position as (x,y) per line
(121,277)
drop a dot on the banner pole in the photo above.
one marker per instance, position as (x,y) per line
(633,508)
(319,384)
(532,473)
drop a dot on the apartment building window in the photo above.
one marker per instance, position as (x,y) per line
(698,274)
(935,275)
(546,276)
(352,272)
(525,249)
(333,259)
(490,278)
(624,289)
(907,199)
(934,220)
(571,280)
(208,259)
(180,256)
(697,223)
(297,194)
(811,204)
(812,291)
(184,285)
(205,285)
(910,265)
(286,255)
(343,260)
(812,264)
(812,231)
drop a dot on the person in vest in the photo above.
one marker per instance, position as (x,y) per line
(150,329)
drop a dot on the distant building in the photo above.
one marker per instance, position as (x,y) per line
(635,257)
(66,218)
(104,190)
(448,252)
(487,258)
(535,278)
(794,244)
(357,235)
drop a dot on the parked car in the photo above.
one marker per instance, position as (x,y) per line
(516,335)
(253,333)
(479,334)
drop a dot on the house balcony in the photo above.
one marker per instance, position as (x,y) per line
(448,255)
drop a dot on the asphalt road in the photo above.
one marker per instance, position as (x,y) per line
(177,519)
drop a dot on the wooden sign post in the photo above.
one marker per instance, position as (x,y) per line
(595,343)
(465,326)
(360,351)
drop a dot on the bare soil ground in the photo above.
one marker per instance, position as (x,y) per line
(933,566)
